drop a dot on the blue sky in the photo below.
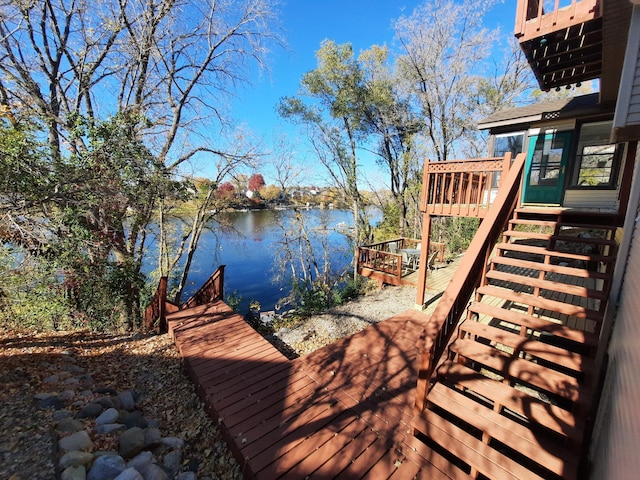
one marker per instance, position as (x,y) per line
(305,23)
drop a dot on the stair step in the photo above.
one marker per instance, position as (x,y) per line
(551,268)
(535,410)
(561,223)
(517,247)
(542,449)
(471,450)
(514,368)
(546,284)
(550,353)
(578,337)
(564,216)
(432,465)
(560,238)
(542,303)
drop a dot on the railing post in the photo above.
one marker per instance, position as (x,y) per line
(506,165)
(162,305)
(424,255)
(221,281)
(424,200)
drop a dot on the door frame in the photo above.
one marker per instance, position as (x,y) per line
(543,194)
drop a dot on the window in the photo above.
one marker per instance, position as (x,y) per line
(511,142)
(503,143)
(597,160)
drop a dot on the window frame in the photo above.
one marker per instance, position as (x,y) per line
(616,161)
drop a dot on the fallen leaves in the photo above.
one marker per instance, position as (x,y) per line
(148,364)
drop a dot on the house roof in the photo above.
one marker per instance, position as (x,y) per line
(556,109)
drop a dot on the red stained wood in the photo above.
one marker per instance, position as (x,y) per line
(335,413)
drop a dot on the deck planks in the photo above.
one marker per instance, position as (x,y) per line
(340,412)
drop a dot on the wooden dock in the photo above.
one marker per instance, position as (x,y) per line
(340,412)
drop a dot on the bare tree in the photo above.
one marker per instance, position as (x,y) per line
(443,43)
(167,67)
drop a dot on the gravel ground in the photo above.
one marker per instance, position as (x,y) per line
(320,330)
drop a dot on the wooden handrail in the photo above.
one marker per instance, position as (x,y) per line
(156,310)
(211,291)
(445,318)
(401,242)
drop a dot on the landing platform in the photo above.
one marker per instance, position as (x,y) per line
(340,412)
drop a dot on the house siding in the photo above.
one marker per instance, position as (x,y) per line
(614,449)
(603,200)
(628,105)
(633,115)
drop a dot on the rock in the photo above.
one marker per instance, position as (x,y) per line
(75,459)
(131,442)
(61,415)
(90,411)
(52,379)
(108,428)
(43,395)
(133,419)
(51,402)
(187,476)
(172,462)
(173,442)
(154,472)
(73,368)
(152,437)
(69,425)
(129,474)
(67,395)
(127,401)
(74,473)
(76,441)
(110,415)
(85,380)
(141,460)
(105,391)
(106,402)
(106,467)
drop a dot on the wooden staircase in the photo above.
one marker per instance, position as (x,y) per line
(511,395)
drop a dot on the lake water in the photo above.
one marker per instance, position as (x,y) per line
(249,246)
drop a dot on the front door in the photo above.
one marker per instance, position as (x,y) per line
(546,162)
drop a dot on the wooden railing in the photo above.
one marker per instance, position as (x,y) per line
(380,260)
(379,256)
(158,308)
(533,21)
(454,301)
(463,188)
(211,291)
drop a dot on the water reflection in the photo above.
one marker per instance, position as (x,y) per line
(247,243)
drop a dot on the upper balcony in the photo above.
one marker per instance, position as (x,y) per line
(562,39)
(571,41)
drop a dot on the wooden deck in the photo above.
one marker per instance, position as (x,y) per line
(340,412)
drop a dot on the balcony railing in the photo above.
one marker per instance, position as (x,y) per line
(462,188)
(536,18)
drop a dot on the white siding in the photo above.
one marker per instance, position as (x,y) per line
(604,200)
(615,450)
(628,105)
